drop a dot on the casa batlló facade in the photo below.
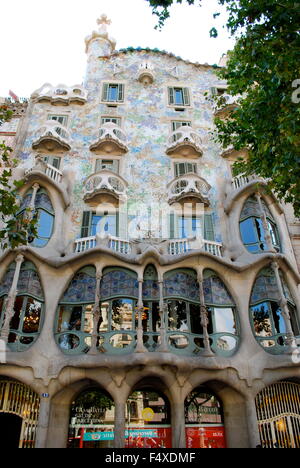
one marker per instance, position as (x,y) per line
(159,304)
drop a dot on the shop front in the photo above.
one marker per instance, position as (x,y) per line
(204,420)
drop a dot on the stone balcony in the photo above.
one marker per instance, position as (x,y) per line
(52,136)
(61,95)
(225,104)
(48,173)
(184,142)
(105,187)
(174,247)
(239,185)
(112,140)
(146,74)
(189,187)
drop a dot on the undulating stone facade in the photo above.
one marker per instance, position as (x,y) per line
(153,267)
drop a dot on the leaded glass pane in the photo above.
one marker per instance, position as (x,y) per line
(181,284)
(82,289)
(29,282)
(6,282)
(265,287)
(43,201)
(119,283)
(215,292)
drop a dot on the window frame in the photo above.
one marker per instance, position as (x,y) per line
(121,90)
(186,96)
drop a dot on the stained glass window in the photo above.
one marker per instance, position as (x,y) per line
(182,283)
(82,287)
(119,283)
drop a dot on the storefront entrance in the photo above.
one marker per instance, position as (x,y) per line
(148,420)
(92,420)
(278,412)
(204,420)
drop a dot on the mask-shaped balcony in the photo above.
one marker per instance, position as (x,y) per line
(146,74)
(225,104)
(105,187)
(52,136)
(185,143)
(112,140)
(61,95)
(50,174)
(188,188)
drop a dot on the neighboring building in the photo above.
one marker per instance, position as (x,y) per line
(9,130)
(161,294)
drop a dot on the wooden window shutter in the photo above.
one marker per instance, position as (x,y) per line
(121,93)
(105,92)
(86,223)
(171,96)
(213,91)
(186,97)
(209,232)
(172,225)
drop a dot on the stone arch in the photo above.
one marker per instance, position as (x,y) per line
(278,414)
(61,408)
(20,400)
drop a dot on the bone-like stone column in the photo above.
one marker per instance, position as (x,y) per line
(120,423)
(35,188)
(204,317)
(265,224)
(43,424)
(10,300)
(140,348)
(252,423)
(163,312)
(96,314)
(290,339)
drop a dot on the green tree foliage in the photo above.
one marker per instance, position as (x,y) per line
(263,68)
(14,230)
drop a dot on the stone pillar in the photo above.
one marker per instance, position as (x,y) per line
(204,318)
(290,339)
(43,423)
(253,430)
(265,224)
(120,423)
(163,312)
(96,314)
(35,188)
(10,300)
(140,348)
(178,425)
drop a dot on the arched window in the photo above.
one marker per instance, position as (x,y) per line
(204,420)
(44,213)
(266,316)
(75,312)
(149,424)
(114,325)
(252,229)
(26,323)
(119,295)
(223,326)
(185,331)
(92,420)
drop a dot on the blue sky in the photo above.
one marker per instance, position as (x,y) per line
(44,41)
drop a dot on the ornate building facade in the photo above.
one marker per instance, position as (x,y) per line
(159,304)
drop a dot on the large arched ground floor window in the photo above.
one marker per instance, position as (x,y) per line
(148,420)
(92,420)
(19,413)
(204,420)
(278,413)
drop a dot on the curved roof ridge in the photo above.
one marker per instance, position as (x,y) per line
(163,52)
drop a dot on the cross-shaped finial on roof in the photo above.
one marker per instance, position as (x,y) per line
(103,20)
